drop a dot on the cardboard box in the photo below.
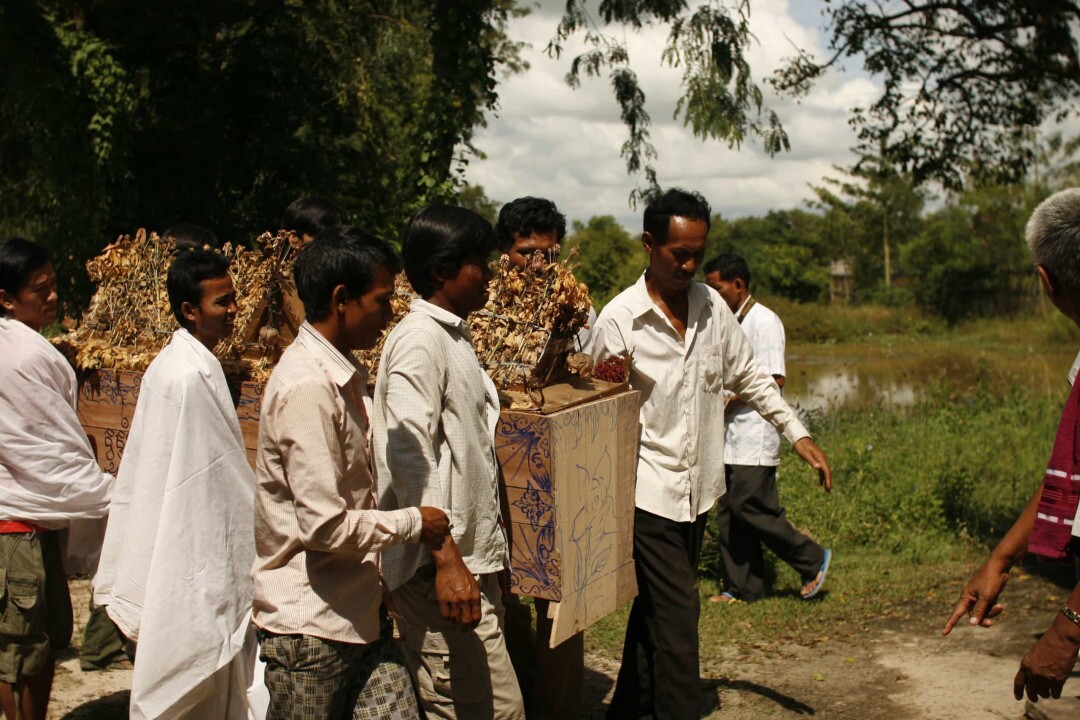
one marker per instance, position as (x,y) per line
(107,403)
(569,480)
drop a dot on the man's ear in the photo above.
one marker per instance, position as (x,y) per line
(339,296)
(648,242)
(187,310)
(1047,282)
(7,301)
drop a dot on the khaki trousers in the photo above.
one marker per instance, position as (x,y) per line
(459,674)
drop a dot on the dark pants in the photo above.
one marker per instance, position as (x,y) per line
(750,515)
(551,679)
(659,675)
(103,643)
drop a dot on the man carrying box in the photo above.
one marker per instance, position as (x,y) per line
(325,637)
(435,416)
(687,348)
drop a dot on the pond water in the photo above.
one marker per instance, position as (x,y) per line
(823,378)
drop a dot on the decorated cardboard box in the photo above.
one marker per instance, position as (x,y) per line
(107,403)
(569,480)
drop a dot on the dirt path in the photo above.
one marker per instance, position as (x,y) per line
(893,671)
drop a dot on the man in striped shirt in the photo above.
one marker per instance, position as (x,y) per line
(318,597)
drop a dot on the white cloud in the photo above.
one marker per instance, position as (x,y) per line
(550,140)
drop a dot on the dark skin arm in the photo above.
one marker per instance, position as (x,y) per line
(455,586)
(1050,661)
(979,597)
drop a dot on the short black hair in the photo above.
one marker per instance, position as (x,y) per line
(440,238)
(311,215)
(187,236)
(187,271)
(730,266)
(675,202)
(528,215)
(19,257)
(341,255)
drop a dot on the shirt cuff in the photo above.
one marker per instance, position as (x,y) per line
(414,524)
(795,431)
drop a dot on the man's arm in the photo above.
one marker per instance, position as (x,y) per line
(979,597)
(42,441)
(746,379)
(1050,661)
(314,465)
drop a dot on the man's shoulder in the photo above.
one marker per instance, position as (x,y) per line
(621,307)
(762,314)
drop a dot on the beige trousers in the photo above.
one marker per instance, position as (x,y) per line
(459,674)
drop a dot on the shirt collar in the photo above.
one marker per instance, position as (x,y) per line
(641,302)
(340,368)
(440,315)
(742,305)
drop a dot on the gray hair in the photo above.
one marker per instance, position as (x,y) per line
(1053,237)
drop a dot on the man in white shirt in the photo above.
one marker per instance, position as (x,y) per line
(325,636)
(435,417)
(687,349)
(175,569)
(749,512)
(551,678)
(48,477)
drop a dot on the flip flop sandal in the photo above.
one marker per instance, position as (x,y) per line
(821,573)
(724,598)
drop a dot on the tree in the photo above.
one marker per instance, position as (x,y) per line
(785,250)
(963,83)
(610,259)
(876,208)
(221,112)
(721,100)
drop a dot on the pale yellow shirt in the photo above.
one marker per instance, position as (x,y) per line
(317,532)
(682,381)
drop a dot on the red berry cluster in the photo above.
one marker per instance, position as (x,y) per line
(610,370)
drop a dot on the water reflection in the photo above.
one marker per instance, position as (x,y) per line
(880,376)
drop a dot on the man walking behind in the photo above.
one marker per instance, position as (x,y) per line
(749,513)
(687,349)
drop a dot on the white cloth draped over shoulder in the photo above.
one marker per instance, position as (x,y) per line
(175,570)
(48,472)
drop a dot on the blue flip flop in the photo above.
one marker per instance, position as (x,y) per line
(823,572)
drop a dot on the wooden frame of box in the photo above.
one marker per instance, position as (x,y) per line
(569,480)
(107,403)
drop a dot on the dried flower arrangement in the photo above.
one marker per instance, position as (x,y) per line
(129,319)
(530,323)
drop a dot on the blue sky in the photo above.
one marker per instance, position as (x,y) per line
(549,140)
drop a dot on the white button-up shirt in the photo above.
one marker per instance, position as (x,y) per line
(751,440)
(681,458)
(48,472)
(436,411)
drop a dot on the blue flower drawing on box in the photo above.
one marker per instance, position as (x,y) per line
(524,453)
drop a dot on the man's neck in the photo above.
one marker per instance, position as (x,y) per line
(440,301)
(330,332)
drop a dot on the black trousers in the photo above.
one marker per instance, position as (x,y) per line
(660,672)
(750,515)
